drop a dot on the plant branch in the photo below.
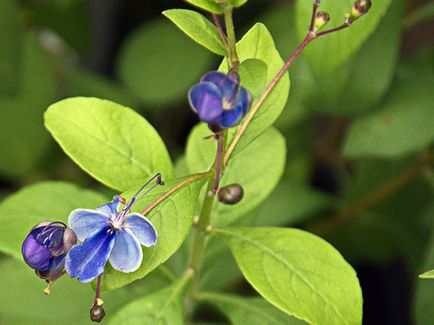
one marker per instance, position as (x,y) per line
(173,189)
(232,42)
(242,128)
(378,195)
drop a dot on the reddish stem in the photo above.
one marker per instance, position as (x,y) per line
(332,30)
(220,29)
(97,291)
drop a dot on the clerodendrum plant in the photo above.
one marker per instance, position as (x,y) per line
(235,158)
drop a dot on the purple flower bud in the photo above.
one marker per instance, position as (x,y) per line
(45,247)
(220,100)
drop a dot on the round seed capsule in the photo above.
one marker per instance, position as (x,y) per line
(231,194)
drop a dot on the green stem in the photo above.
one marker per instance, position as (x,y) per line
(202,227)
(232,41)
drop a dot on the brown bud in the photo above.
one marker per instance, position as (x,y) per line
(97,313)
(230,194)
(360,8)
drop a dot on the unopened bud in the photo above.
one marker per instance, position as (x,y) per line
(231,194)
(97,313)
(360,8)
(69,239)
(321,19)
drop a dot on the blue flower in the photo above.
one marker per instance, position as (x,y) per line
(220,100)
(45,247)
(107,234)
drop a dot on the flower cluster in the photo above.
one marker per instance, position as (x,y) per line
(108,233)
(220,100)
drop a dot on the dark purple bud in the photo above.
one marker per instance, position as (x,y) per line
(321,19)
(230,194)
(97,313)
(45,247)
(220,100)
(360,8)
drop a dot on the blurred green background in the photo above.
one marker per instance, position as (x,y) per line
(372,200)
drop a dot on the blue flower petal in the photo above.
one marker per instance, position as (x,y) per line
(245,100)
(227,84)
(86,222)
(110,208)
(86,260)
(142,229)
(37,256)
(127,254)
(206,101)
(231,117)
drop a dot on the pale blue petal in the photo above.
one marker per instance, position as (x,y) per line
(142,228)
(86,222)
(87,260)
(111,209)
(127,254)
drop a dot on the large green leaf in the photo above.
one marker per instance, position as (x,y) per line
(69,302)
(200,29)
(35,203)
(405,124)
(172,218)
(298,272)
(159,64)
(258,43)
(163,307)
(112,143)
(257,168)
(326,53)
(252,311)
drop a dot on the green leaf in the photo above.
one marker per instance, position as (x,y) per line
(200,29)
(159,64)
(360,83)
(163,307)
(35,203)
(290,203)
(208,5)
(23,138)
(299,273)
(258,43)
(424,293)
(404,125)
(172,219)
(82,83)
(252,311)
(10,48)
(253,76)
(427,275)
(326,53)
(257,168)
(69,301)
(111,142)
